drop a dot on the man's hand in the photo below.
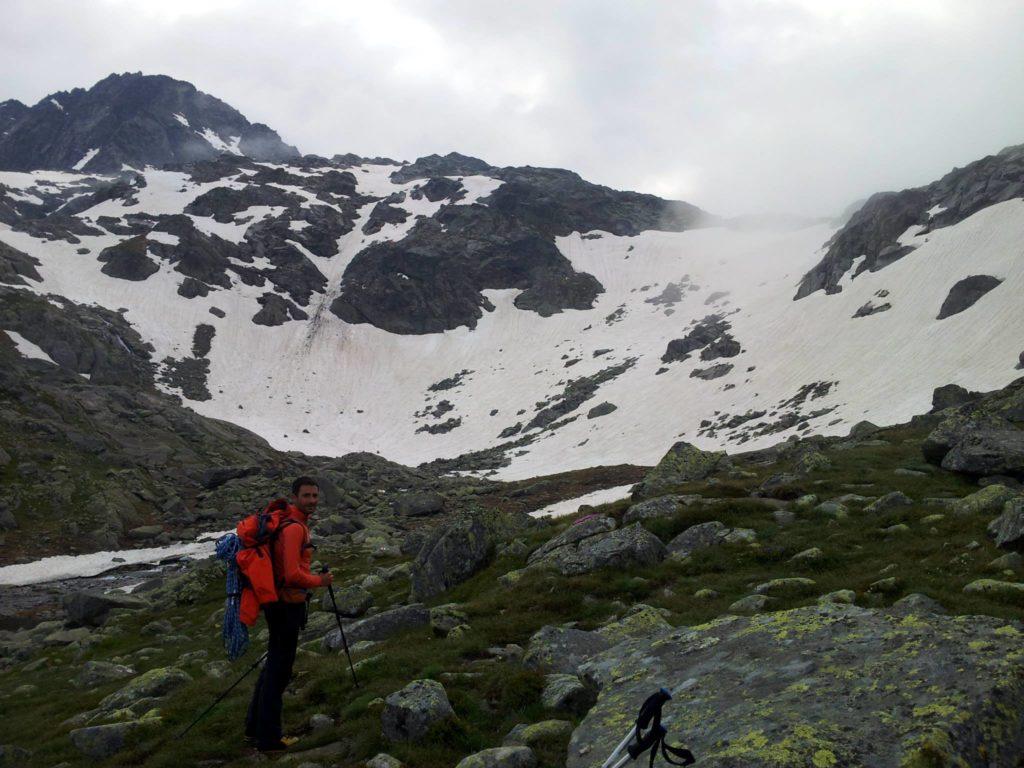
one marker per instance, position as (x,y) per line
(326,579)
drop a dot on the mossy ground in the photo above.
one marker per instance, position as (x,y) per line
(936,558)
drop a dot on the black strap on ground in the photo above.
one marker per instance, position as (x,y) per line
(649,720)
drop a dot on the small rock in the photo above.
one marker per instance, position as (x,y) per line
(889,501)
(812,555)
(840,597)
(383,760)
(319,722)
(832,509)
(566,693)
(1003,591)
(705,594)
(751,604)
(530,735)
(989,500)
(500,757)
(887,586)
(917,603)
(785,587)
(410,712)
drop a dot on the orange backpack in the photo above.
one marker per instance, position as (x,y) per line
(256,534)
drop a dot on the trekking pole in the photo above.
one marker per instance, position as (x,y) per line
(649,720)
(341,629)
(219,698)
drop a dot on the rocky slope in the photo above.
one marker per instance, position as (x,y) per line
(830,601)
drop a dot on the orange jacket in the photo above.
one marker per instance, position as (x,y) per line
(292,555)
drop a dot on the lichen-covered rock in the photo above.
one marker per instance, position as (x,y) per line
(662,506)
(1004,591)
(562,649)
(500,757)
(98,672)
(697,537)
(567,693)
(812,555)
(639,620)
(529,735)
(786,587)
(575,533)
(380,626)
(833,509)
(352,601)
(810,462)
(683,463)
(409,713)
(989,500)
(1008,528)
(152,684)
(445,618)
(889,501)
(916,603)
(455,551)
(827,685)
(752,604)
(101,741)
(625,547)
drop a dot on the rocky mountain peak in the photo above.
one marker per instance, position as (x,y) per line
(130,119)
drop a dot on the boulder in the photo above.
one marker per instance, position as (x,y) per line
(800,688)
(380,626)
(683,463)
(419,504)
(915,603)
(575,533)
(1003,591)
(1008,528)
(567,693)
(500,757)
(445,618)
(625,547)
(453,552)
(95,673)
(988,501)
(752,604)
(951,396)
(152,684)
(383,760)
(639,620)
(786,587)
(101,741)
(409,713)
(889,501)
(562,649)
(988,452)
(91,608)
(697,537)
(652,509)
(965,293)
(524,735)
(353,601)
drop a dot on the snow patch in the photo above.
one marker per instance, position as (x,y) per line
(181,119)
(86,158)
(77,566)
(57,104)
(571,506)
(28,349)
(162,237)
(215,141)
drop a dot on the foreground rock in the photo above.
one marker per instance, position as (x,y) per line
(807,687)
(410,712)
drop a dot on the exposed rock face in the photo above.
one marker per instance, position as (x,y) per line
(873,231)
(950,396)
(750,691)
(91,608)
(982,437)
(409,713)
(277,310)
(16,268)
(128,260)
(682,464)
(711,335)
(966,293)
(131,119)
(562,650)
(1008,528)
(453,552)
(452,164)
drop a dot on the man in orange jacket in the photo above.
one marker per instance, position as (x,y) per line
(292,553)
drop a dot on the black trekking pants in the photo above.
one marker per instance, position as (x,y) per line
(263,721)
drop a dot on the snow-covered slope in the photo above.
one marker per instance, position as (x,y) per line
(560,388)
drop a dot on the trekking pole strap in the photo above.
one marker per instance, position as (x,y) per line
(649,720)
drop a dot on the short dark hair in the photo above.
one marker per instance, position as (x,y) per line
(301,481)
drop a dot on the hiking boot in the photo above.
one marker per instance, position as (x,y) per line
(281,745)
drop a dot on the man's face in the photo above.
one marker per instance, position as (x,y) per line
(307,498)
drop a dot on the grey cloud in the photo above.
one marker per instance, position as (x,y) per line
(735,105)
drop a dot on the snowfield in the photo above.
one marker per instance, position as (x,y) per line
(324,386)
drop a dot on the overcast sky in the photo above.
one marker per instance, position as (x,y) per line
(739,106)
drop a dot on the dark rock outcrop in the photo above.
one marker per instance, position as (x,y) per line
(128,260)
(966,293)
